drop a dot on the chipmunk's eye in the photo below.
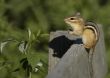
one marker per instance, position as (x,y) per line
(72,18)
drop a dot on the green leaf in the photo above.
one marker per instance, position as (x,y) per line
(29,33)
(45,35)
(33,37)
(23,46)
(2,45)
(40,64)
(38,33)
(36,69)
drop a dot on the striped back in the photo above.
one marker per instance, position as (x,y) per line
(94,27)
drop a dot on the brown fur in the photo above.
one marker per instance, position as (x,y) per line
(89,38)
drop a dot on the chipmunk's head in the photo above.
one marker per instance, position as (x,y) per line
(76,23)
(75,20)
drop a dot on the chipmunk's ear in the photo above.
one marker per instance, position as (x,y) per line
(77,14)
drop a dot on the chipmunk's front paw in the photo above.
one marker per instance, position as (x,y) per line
(71,32)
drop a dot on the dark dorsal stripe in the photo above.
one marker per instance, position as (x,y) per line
(90,28)
(93,24)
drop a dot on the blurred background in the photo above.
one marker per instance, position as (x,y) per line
(20,18)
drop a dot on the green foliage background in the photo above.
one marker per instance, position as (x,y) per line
(16,16)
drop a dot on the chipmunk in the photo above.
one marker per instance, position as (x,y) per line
(90,38)
(89,32)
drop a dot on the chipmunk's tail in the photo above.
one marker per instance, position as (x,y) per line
(90,59)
